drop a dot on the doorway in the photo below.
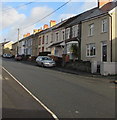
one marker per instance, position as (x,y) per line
(104,52)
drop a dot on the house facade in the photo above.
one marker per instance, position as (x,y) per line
(27,45)
(23,46)
(7,48)
(99,35)
(57,40)
(14,48)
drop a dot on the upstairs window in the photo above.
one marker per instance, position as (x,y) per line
(75,31)
(39,40)
(67,33)
(43,40)
(57,36)
(42,49)
(104,25)
(91,29)
(47,39)
(51,38)
(63,35)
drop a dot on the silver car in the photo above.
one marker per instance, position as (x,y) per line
(45,61)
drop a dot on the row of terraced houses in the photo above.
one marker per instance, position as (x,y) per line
(93,31)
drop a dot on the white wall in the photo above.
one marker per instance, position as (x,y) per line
(108,68)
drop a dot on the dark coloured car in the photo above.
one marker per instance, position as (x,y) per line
(18,57)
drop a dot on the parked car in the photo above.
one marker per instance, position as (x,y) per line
(18,57)
(45,61)
(5,55)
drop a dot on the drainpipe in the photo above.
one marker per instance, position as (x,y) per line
(111,35)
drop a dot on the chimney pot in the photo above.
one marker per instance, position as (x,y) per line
(45,26)
(103,2)
(52,23)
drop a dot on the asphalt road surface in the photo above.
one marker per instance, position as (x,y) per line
(67,95)
(17,103)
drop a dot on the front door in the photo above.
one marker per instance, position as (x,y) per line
(104,52)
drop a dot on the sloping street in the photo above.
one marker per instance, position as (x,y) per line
(17,103)
(67,95)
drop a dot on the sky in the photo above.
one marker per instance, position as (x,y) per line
(24,17)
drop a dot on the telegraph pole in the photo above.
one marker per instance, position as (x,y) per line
(3,45)
(18,43)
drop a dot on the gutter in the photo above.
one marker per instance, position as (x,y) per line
(111,37)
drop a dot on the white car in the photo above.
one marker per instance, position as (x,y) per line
(45,61)
(5,55)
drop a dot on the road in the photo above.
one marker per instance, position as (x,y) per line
(17,103)
(67,95)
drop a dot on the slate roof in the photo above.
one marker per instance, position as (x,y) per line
(103,10)
(90,14)
(52,28)
(81,17)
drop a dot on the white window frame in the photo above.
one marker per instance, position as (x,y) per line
(91,29)
(63,35)
(67,33)
(46,39)
(74,31)
(88,47)
(51,37)
(57,36)
(104,25)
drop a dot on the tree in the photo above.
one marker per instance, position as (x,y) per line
(74,50)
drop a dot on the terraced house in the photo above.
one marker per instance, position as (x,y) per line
(99,37)
(93,31)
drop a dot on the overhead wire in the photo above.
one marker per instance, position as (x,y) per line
(16,7)
(47,15)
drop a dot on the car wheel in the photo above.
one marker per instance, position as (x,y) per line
(42,65)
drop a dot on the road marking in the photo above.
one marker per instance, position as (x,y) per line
(6,78)
(113,87)
(0,77)
(53,115)
(76,112)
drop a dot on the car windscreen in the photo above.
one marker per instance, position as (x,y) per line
(46,58)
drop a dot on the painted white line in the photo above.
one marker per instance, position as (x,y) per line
(53,115)
(6,78)
(0,77)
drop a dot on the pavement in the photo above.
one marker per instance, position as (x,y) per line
(17,103)
(111,78)
(67,95)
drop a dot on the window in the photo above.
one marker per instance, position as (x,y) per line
(63,35)
(104,25)
(42,49)
(43,40)
(47,39)
(51,38)
(91,29)
(57,37)
(67,33)
(75,31)
(31,42)
(91,50)
(39,40)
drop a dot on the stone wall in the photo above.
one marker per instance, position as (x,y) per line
(79,66)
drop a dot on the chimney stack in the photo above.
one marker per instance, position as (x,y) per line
(45,26)
(26,35)
(35,31)
(52,23)
(103,2)
(39,30)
